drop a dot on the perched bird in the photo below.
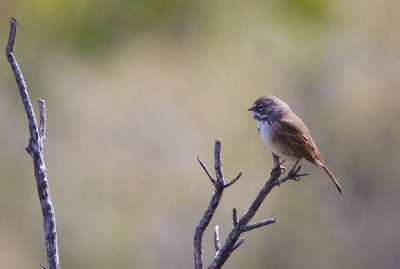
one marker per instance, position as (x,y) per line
(286,134)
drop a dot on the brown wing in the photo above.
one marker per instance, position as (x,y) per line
(297,137)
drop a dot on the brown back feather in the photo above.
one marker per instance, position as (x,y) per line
(297,137)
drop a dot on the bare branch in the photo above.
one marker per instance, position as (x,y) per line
(21,82)
(35,149)
(11,37)
(258,224)
(234,180)
(209,213)
(206,170)
(239,226)
(273,181)
(218,163)
(42,122)
(217,244)
(238,243)
(234,217)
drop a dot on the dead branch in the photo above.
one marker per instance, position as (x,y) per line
(217,244)
(239,226)
(219,185)
(35,149)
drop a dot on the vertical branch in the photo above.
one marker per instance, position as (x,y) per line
(42,122)
(20,81)
(219,185)
(35,149)
(218,163)
(216,197)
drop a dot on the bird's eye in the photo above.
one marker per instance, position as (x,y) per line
(260,107)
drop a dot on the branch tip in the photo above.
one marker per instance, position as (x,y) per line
(218,143)
(217,243)
(42,122)
(258,224)
(206,171)
(13,21)
(238,243)
(11,38)
(234,180)
(234,217)
(218,163)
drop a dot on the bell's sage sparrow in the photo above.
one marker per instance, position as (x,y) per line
(286,134)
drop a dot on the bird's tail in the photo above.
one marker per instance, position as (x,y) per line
(332,178)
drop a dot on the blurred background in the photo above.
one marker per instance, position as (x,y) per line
(136,90)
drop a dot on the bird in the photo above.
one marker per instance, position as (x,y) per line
(286,134)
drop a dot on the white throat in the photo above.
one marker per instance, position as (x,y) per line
(266,133)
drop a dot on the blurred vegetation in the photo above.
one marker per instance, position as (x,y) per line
(88,26)
(136,90)
(93,24)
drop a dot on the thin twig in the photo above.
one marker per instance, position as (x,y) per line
(258,224)
(218,163)
(238,243)
(217,244)
(234,180)
(20,81)
(206,170)
(11,37)
(234,217)
(42,122)
(35,149)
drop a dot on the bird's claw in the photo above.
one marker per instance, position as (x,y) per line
(279,168)
(293,174)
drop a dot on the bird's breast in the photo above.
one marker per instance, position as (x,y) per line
(272,140)
(266,133)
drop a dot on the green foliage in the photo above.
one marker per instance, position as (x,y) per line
(92,24)
(311,10)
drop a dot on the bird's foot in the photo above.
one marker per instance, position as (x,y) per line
(294,173)
(279,168)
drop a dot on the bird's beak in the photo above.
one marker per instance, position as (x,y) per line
(251,108)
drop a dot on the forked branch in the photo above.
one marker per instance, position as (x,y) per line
(35,149)
(239,226)
(219,185)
